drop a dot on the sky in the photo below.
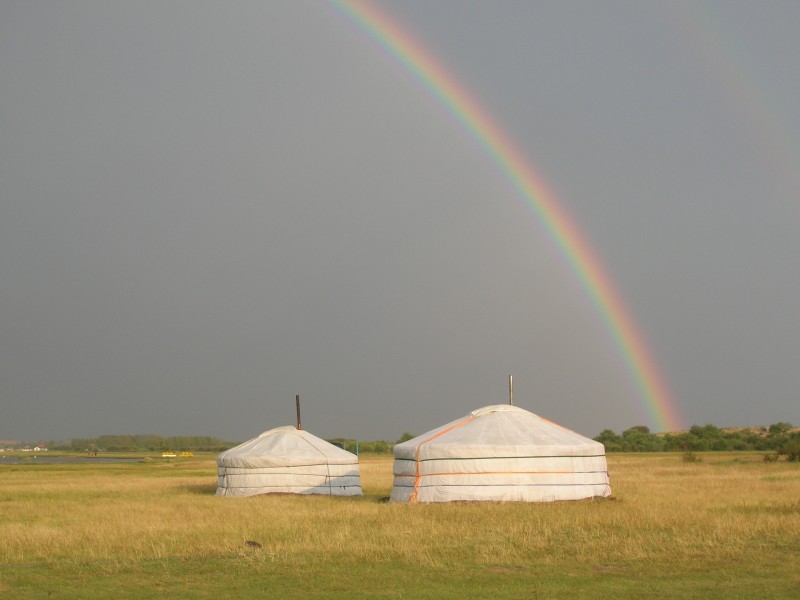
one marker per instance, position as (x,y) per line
(207,208)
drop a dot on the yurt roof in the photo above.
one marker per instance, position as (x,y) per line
(284,446)
(500,430)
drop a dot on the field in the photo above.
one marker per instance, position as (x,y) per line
(725,527)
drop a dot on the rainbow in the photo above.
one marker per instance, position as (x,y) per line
(537,197)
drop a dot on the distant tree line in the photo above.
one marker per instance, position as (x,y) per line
(358,446)
(157,443)
(147,443)
(781,437)
(374,447)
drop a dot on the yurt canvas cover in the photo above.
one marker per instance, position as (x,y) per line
(500,453)
(287,460)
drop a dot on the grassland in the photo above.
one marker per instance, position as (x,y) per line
(726,527)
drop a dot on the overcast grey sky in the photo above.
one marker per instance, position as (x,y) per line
(209,207)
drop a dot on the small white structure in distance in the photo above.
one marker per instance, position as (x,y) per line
(290,461)
(499,453)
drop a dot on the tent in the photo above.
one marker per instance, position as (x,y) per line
(500,453)
(287,460)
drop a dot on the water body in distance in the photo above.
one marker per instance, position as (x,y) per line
(16,460)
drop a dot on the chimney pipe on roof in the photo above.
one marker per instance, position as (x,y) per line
(297,401)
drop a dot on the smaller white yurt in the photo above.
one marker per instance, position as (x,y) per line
(499,453)
(290,461)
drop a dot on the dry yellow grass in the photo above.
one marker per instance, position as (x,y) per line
(727,514)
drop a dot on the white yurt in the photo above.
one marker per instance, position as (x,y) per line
(499,453)
(290,461)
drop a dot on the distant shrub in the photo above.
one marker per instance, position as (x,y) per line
(691,457)
(780,428)
(771,457)
(792,450)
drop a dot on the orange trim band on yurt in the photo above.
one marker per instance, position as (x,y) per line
(413,497)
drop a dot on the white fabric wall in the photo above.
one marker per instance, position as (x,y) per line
(334,480)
